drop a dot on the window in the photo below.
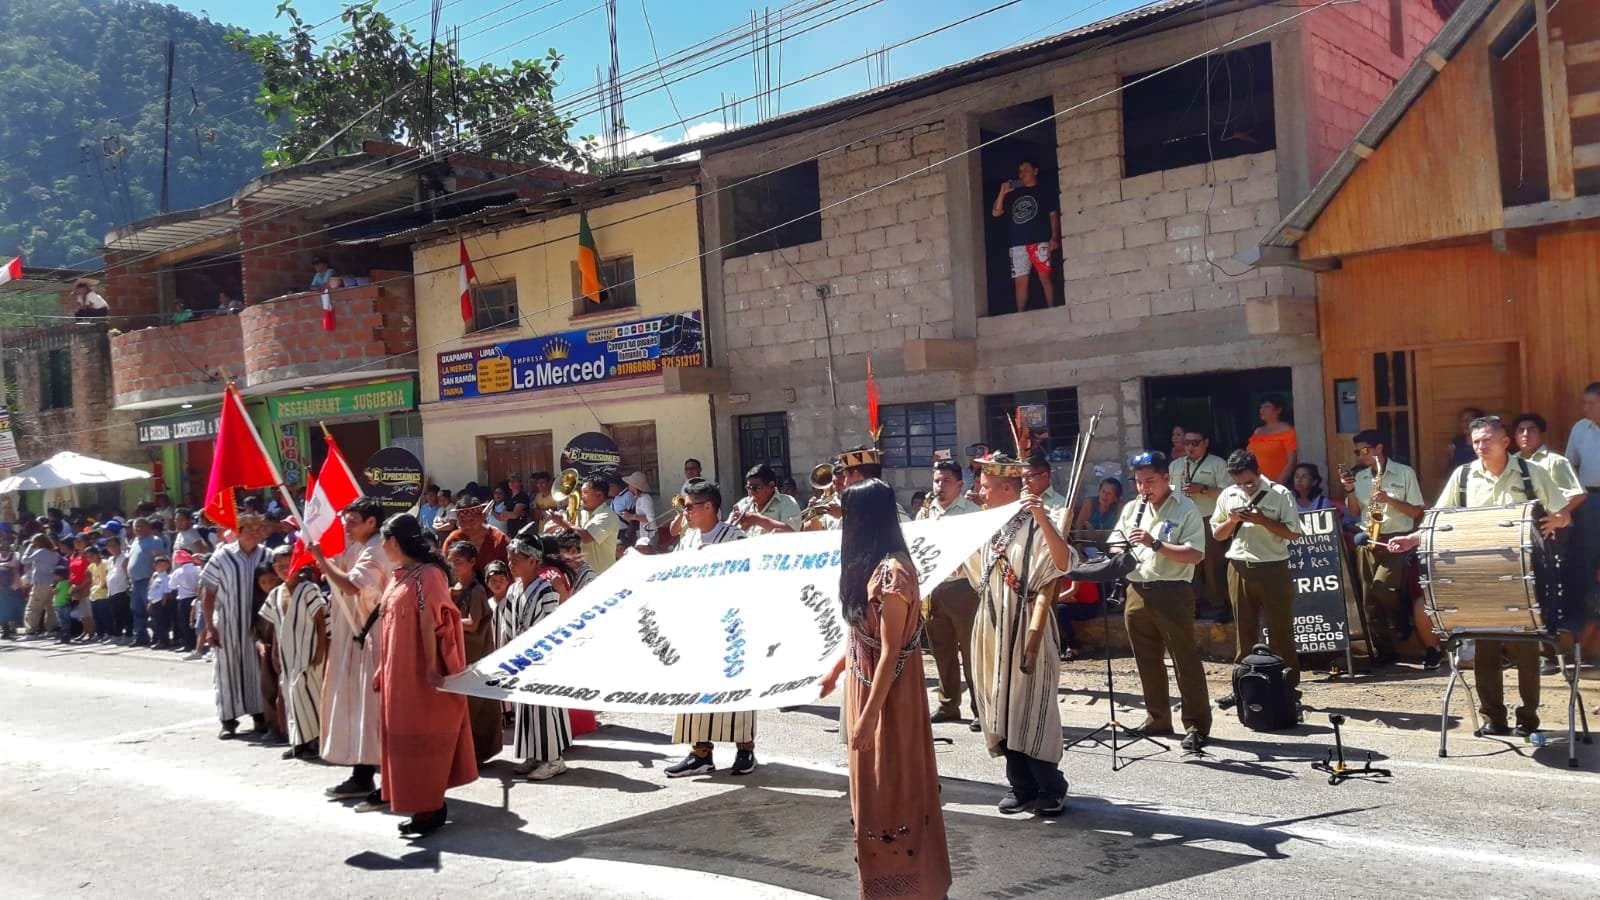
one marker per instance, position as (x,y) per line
(616,288)
(636,443)
(763,440)
(761,205)
(1213,108)
(55,388)
(913,431)
(494,305)
(1061,420)
(1393,387)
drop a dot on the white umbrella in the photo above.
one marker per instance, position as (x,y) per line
(68,469)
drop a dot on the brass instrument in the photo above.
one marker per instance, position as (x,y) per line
(566,491)
(1375,509)
(821,480)
(927,505)
(679,501)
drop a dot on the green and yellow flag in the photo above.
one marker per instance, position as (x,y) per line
(588,260)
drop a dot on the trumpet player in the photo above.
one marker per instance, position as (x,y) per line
(950,607)
(764,510)
(1385,496)
(598,525)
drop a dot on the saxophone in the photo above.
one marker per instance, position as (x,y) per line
(1375,510)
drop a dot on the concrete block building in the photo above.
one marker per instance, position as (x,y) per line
(1173,137)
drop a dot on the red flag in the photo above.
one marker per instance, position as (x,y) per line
(872,405)
(239,462)
(11,271)
(327,311)
(467,278)
(334,488)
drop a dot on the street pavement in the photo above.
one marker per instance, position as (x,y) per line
(116,785)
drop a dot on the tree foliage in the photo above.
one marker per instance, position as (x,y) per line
(374,80)
(82,85)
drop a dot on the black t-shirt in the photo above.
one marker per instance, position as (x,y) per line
(516,524)
(1028,212)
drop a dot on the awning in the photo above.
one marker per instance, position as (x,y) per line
(68,469)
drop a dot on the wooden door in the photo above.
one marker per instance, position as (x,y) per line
(1449,379)
(516,454)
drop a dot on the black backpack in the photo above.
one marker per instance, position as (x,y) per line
(1265,700)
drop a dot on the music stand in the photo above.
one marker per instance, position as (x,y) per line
(1117,594)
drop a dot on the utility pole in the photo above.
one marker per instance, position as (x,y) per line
(166,135)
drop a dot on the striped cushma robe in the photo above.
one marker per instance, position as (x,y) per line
(542,733)
(709,728)
(350,710)
(1017,710)
(293,616)
(231,572)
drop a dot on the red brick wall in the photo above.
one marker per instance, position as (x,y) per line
(1352,66)
(278,248)
(284,339)
(131,288)
(88,426)
(172,361)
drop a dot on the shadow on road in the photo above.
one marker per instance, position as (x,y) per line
(790,827)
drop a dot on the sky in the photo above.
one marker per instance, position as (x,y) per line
(695,103)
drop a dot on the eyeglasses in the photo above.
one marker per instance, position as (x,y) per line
(693,503)
(1363,451)
(751,487)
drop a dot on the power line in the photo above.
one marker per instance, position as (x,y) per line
(523,317)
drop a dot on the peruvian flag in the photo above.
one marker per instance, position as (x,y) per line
(467,278)
(239,462)
(12,270)
(334,488)
(327,311)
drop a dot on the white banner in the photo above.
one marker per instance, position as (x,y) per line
(750,624)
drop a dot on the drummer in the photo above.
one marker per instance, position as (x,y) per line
(1381,573)
(1492,480)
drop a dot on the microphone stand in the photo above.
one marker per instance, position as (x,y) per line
(1129,736)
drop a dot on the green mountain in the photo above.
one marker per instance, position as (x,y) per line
(82,85)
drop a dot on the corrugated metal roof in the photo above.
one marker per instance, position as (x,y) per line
(939,79)
(1457,29)
(611,189)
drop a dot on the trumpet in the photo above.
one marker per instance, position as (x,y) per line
(822,477)
(566,491)
(679,501)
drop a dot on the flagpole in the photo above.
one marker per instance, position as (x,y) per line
(283,489)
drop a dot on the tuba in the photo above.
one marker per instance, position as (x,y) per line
(566,491)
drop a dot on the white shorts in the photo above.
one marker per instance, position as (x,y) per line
(1022,258)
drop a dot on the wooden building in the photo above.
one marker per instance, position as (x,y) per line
(1457,238)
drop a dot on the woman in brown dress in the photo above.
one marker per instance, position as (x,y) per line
(477,626)
(894,779)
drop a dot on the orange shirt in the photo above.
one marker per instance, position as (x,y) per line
(1272,452)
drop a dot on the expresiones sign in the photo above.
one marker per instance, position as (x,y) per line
(609,353)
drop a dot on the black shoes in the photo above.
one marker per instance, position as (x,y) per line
(1153,728)
(1492,729)
(230,728)
(696,765)
(1432,659)
(744,762)
(975,726)
(1227,701)
(349,789)
(941,717)
(1193,742)
(1522,732)
(421,825)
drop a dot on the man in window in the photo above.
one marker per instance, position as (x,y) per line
(1033,215)
(320,273)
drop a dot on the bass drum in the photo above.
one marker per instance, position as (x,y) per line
(1487,569)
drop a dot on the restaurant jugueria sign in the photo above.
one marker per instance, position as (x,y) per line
(340,402)
(590,356)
